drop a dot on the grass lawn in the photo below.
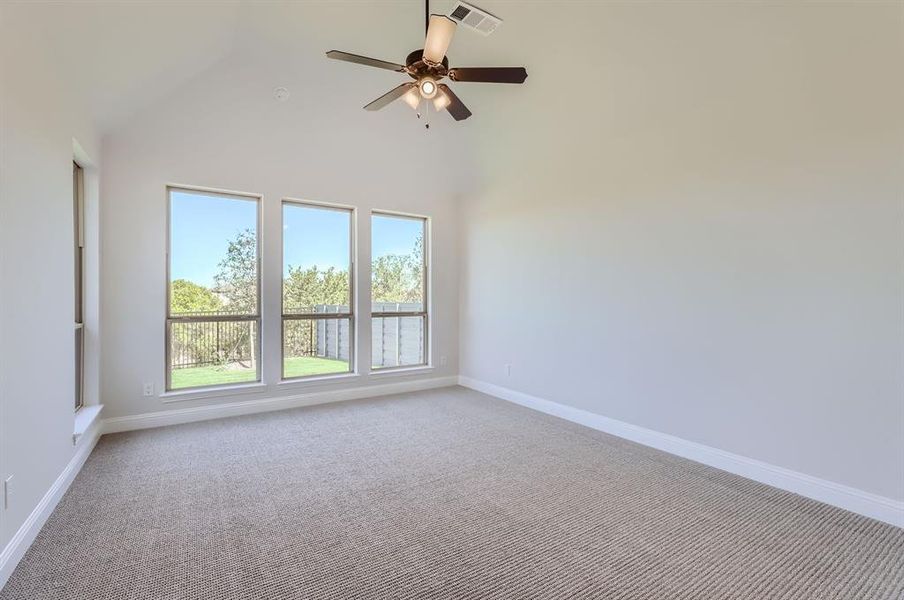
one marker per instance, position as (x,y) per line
(298,366)
(301,366)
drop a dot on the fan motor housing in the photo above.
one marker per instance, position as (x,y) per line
(418,68)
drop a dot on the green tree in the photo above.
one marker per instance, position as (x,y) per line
(189,297)
(417,268)
(399,277)
(189,343)
(236,278)
(306,288)
(236,283)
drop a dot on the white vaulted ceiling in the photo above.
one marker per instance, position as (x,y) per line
(122,57)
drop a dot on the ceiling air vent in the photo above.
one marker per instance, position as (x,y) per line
(479,20)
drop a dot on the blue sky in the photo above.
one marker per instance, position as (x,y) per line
(202,226)
(391,235)
(314,236)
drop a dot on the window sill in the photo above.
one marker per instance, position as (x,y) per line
(84,419)
(212,392)
(388,371)
(318,379)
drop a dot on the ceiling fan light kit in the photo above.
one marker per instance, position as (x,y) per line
(427,87)
(430,65)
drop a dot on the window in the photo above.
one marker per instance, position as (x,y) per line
(213,291)
(398,291)
(78,237)
(317,314)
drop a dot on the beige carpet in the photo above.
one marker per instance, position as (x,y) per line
(441,494)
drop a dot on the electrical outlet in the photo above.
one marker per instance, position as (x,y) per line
(7,492)
(148,389)
(442,361)
(508,370)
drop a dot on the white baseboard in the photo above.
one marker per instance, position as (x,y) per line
(836,494)
(245,407)
(27,533)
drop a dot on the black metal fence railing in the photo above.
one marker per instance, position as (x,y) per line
(299,338)
(209,313)
(204,343)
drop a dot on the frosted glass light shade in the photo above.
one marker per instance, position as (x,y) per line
(439,36)
(441,101)
(412,98)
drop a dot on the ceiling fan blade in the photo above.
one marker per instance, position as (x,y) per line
(456,108)
(489,74)
(390,96)
(365,60)
(439,36)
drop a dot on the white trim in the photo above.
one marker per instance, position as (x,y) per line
(399,371)
(26,534)
(85,417)
(319,204)
(397,213)
(849,498)
(245,407)
(213,190)
(216,391)
(313,380)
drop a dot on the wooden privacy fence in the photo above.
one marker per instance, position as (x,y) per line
(397,341)
(394,340)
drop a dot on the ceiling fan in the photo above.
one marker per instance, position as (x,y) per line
(428,67)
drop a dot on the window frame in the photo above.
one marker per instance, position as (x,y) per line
(78,237)
(352,276)
(255,318)
(424,313)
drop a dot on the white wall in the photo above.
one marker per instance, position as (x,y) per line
(225,130)
(712,195)
(701,233)
(40,118)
